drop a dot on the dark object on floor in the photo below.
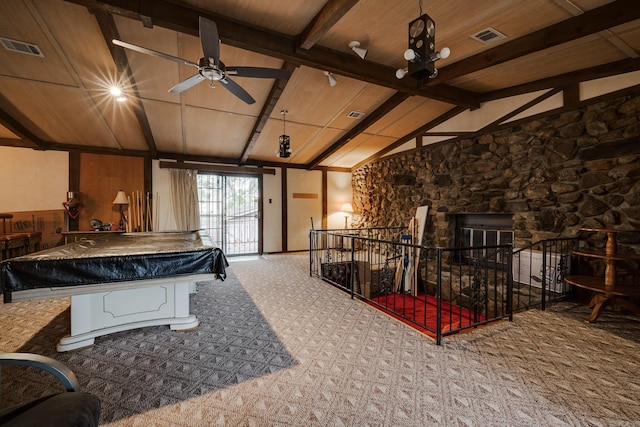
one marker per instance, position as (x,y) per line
(70,408)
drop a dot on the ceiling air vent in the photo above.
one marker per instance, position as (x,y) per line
(22,47)
(355,114)
(488,35)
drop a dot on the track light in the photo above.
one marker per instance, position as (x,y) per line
(117,94)
(355,46)
(401,72)
(332,80)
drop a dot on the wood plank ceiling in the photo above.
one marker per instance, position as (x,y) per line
(60,100)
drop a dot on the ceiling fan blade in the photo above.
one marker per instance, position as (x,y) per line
(153,52)
(186,84)
(235,89)
(259,72)
(209,40)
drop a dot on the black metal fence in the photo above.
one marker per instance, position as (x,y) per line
(440,291)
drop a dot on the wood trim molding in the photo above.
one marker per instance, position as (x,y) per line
(217,168)
(601,18)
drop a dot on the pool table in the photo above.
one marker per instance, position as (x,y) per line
(117,282)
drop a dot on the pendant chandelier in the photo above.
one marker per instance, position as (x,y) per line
(284,149)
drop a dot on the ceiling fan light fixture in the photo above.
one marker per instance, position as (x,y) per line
(209,66)
(355,46)
(332,79)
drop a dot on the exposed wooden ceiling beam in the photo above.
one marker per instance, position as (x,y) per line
(267,109)
(181,18)
(391,103)
(598,72)
(331,13)
(595,20)
(28,138)
(11,142)
(420,131)
(230,161)
(109,32)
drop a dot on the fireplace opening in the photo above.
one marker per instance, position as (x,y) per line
(478,230)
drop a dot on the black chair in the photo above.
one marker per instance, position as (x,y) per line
(70,408)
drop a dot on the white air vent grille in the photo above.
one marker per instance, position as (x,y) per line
(22,47)
(488,35)
(356,114)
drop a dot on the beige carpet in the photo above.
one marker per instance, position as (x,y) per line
(342,363)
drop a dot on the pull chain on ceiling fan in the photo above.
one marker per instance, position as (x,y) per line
(210,67)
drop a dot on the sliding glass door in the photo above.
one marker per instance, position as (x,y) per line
(230,211)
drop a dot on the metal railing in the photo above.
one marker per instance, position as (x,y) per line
(440,291)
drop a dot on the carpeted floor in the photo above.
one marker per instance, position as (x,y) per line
(278,348)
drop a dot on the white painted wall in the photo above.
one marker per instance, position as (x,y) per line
(593,88)
(32,180)
(272,212)
(338,193)
(300,211)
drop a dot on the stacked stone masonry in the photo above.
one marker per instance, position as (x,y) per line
(554,175)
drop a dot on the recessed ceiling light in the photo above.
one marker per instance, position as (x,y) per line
(115,91)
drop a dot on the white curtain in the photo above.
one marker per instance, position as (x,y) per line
(184,199)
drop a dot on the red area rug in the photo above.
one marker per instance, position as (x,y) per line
(419,312)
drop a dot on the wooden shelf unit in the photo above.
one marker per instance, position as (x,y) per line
(610,287)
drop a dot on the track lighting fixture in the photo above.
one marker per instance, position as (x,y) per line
(401,72)
(284,149)
(117,94)
(355,46)
(332,80)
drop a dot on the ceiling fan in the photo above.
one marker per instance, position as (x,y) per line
(210,67)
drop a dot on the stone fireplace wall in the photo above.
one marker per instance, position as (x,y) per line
(554,175)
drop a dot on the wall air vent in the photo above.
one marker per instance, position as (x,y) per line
(22,47)
(488,35)
(356,115)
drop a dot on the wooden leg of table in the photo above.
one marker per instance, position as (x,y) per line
(598,302)
(628,305)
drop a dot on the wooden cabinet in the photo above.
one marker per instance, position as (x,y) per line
(611,286)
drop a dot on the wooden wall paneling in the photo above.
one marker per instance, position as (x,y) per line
(101,177)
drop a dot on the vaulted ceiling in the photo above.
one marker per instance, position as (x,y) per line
(59,99)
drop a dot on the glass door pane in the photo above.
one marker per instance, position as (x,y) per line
(229,211)
(241,214)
